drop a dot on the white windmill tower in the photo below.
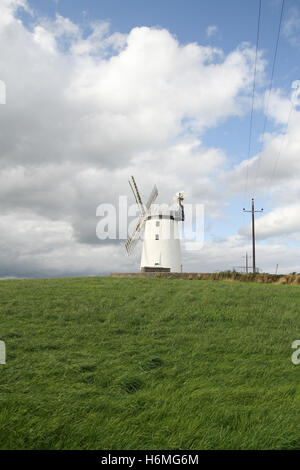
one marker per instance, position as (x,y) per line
(161,244)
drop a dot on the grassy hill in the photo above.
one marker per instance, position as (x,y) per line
(148,363)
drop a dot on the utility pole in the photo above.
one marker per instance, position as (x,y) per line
(247,266)
(247,263)
(253,233)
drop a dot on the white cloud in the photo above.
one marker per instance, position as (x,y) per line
(277,167)
(291,26)
(2,92)
(92,110)
(281,221)
(44,39)
(211,30)
(8,9)
(228,253)
(35,246)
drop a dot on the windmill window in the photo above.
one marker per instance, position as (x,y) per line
(156,237)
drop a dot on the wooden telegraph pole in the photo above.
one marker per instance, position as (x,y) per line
(253,233)
(247,263)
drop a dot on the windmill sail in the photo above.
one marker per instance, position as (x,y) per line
(137,232)
(137,195)
(135,236)
(152,197)
(133,192)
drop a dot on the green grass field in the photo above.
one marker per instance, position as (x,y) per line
(102,363)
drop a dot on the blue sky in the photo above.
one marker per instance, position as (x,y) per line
(187,20)
(113,135)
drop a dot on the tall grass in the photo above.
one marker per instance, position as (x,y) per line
(148,364)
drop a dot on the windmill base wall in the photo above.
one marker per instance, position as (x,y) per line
(149,269)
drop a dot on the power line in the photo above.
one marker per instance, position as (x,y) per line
(296,85)
(269,94)
(254,80)
(253,96)
(281,146)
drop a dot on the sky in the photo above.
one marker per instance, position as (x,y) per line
(97,91)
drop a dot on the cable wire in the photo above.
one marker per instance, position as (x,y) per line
(268,99)
(284,135)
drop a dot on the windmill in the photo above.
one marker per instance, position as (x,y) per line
(161,244)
